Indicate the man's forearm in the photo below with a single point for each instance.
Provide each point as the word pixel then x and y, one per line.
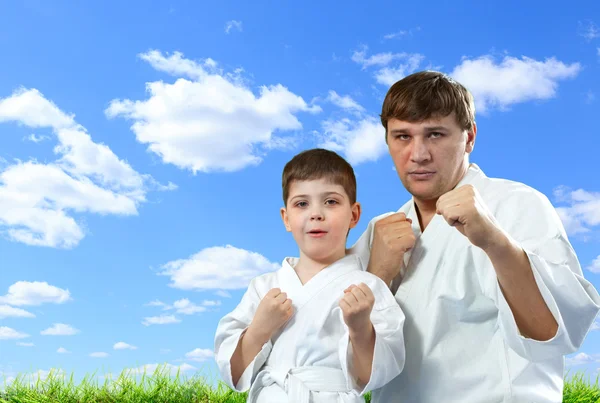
pixel 363 348
pixel 515 276
pixel 387 271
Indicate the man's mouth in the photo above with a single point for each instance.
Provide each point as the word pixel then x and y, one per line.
pixel 421 174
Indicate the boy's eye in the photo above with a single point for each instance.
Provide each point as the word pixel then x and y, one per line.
pixel 331 201
pixel 301 204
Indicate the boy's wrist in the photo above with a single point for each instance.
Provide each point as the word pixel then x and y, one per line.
pixel 363 334
pixel 255 336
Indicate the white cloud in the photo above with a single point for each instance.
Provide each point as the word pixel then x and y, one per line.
pixel 398 34
pixel 124 346
pixel 345 102
pixel 99 354
pixel 185 307
pixel 60 329
pixel 223 293
pixel 182 306
pixel 160 320
pixel 582 212
pixel 217 268
pixel 37 200
pixel 42 375
pixel 580 359
pixel 19 343
pixel 595 325
pixel 512 80
pixel 589 30
pixel 63 350
pixel 7 333
pixel 360 141
pixel 200 355
pixel 594 267
pixel 233 24
pixel 211 303
pixel 36 139
pixel 156 303
pixel 401 34
pixel 150 369
pixel 7 311
pixel 190 123
pixel 389 75
pixel 385 74
pixel 35 293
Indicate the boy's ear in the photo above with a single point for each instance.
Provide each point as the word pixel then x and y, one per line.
pixel 285 219
pixel 356 210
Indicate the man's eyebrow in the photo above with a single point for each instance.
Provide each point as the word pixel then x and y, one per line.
pixel 431 128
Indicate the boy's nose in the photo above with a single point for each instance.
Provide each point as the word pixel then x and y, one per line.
pixel 316 215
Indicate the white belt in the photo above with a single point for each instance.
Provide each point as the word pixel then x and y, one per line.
pixel 299 382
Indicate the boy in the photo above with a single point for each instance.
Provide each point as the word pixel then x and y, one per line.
pixel 321 328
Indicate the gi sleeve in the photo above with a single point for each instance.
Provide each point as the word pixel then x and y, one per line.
pixel 531 220
pixel 230 330
pixel 389 354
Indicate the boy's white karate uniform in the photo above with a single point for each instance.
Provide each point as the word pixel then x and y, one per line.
pixel 462 342
pixel 310 358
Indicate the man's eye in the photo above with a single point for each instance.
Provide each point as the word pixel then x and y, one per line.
pixel 435 135
pixel 403 137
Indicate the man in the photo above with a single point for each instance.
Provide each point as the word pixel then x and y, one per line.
pixel 492 290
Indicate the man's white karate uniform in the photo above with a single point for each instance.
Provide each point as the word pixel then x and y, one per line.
pixel 310 358
pixel 462 342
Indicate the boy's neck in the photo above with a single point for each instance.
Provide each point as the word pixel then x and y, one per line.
pixel 307 267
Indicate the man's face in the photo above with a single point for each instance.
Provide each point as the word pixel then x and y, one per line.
pixel 430 156
pixel 319 215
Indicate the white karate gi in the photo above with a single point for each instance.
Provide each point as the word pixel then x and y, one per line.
pixel 310 358
pixel 462 342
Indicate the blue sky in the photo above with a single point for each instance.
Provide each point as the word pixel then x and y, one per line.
pixel 141 149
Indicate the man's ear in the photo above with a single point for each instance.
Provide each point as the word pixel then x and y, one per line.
pixel 471 135
pixel 286 221
pixel 356 211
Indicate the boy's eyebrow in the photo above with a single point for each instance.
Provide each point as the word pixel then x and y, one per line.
pixel 322 194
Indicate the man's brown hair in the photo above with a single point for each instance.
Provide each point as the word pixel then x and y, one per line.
pixel 315 164
pixel 428 94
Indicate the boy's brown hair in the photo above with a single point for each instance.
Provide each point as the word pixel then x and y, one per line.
pixel 428 94
pixel 315 164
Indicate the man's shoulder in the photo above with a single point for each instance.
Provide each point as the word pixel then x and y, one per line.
pixel 500 191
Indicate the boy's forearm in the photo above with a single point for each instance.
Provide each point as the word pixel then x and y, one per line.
pixel 248 347
pixel 363 348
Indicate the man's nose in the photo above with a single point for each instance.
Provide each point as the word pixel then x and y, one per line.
pixel 419 152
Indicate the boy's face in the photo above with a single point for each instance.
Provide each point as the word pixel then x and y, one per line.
pixel 319 215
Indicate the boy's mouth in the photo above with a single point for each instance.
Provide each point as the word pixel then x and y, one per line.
pixel 317 232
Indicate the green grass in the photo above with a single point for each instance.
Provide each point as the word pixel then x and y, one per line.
pixel 161 387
